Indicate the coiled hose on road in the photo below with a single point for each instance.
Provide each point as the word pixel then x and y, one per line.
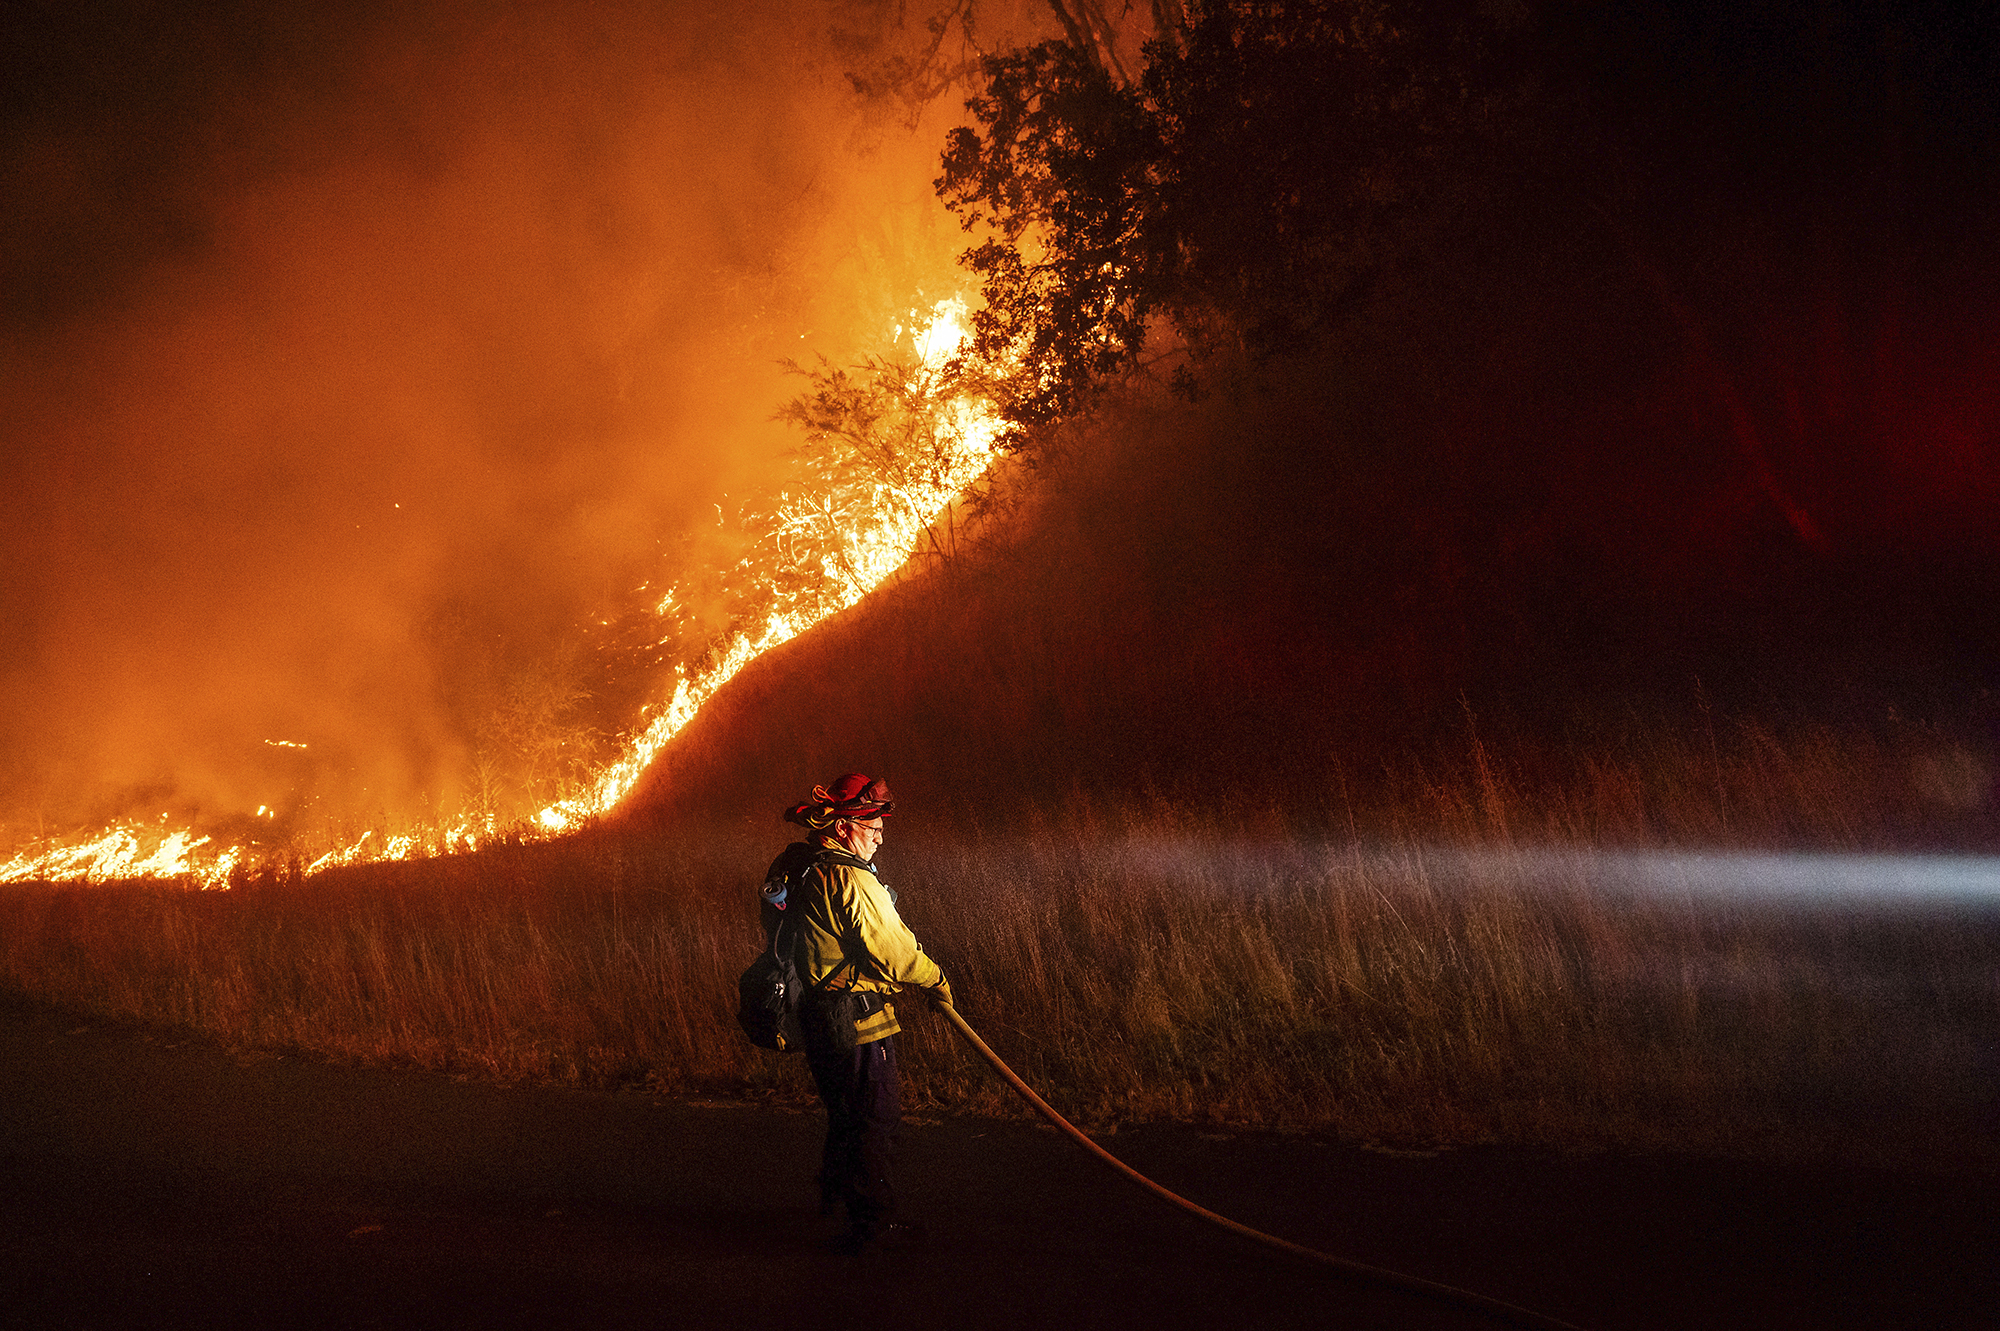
pixel 1375 1275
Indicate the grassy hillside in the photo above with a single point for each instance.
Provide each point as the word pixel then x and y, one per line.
pixel 1670 424
pixel 1315 594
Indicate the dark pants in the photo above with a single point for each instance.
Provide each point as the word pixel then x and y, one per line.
pixel 864 1105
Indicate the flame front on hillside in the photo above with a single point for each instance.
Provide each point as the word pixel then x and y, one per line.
pixel 820 551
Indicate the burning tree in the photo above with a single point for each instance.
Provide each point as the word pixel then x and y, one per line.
pixel 884 439
pixel 894 446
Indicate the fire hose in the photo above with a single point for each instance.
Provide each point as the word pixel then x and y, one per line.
pixel 1430 1289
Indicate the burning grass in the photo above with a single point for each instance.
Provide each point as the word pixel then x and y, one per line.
pixel 1134 965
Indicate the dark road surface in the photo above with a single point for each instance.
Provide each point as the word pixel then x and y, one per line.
pixel 147 1182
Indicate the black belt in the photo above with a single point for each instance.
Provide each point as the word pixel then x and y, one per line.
pixel 866 1002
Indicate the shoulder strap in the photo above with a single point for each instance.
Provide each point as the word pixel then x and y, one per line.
pixel 791 864
pixel 835 855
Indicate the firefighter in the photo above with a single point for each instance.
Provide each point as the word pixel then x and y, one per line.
pixel 852 951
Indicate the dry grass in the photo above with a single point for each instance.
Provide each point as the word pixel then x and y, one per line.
pixel 1382 998
pixel 1147 964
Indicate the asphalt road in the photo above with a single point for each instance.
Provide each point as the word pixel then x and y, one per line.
pixel 148 1180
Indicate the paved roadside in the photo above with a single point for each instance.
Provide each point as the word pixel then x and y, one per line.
pixel 147 1181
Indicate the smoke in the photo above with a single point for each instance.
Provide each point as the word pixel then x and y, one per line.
pixel 358 361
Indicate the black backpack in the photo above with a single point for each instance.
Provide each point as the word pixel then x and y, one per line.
pixel 768 1002
pixel 767 997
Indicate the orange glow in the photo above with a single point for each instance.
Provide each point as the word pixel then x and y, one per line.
pixel 872 552
pixel 875 546
pixel 368 384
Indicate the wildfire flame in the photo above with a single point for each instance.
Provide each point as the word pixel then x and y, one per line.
pixel 869 551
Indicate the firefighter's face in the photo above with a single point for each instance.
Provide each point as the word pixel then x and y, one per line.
pixel 864 839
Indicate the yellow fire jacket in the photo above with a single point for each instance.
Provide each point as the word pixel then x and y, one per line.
pixel 848 935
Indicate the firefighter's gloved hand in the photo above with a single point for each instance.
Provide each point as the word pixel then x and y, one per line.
pixel 939 994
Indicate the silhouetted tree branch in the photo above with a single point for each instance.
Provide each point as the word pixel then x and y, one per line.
pixel 1273 160
pixel 1092 34
pixel 917 80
